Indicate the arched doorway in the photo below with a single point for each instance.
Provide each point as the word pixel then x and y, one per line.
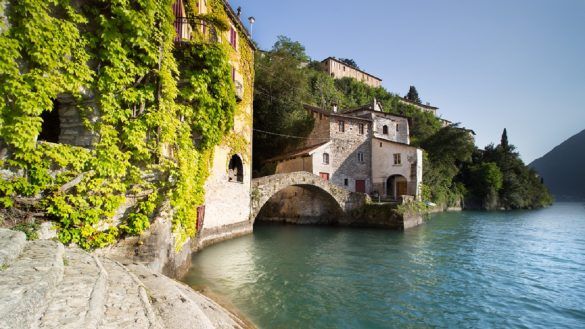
pixel 236 169
pixel 396 186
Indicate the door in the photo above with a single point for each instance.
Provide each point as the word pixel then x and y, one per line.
pixel 324 175
pixel 400 188
pixel 360 186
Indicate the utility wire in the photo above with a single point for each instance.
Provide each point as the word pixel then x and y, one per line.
pixel 289 136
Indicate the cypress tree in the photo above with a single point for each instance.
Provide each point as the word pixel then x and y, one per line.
pixel 412 95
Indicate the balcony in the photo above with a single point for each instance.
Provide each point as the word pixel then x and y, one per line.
pixel 183 30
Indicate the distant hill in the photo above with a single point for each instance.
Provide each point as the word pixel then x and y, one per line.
pixel 563 169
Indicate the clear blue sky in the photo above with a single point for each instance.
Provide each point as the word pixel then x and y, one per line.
pixel 489 64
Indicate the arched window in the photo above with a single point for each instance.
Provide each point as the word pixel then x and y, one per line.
pixel 236 169
pixel 385 130
pixel 325 158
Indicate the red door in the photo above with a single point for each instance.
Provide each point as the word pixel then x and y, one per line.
pixel 360 186
pixel 324 175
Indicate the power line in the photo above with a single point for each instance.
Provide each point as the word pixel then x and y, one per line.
pixel 289 136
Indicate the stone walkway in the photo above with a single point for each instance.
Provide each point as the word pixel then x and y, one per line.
pixel 45 285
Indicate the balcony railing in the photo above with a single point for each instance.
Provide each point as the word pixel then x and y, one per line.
pixel 182 29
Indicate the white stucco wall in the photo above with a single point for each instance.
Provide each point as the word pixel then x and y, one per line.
pixel 383 165
pixel 226 202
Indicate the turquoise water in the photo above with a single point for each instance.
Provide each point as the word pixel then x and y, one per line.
pixel 523 269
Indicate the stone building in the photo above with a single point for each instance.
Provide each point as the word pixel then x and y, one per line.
pixel 423 107
pixel 338 69
pixel 227 190
pixel 227 201
pixel 363 150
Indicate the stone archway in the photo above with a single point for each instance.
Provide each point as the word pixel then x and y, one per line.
pixel 264 188
pixel 396 186
pixel 301 204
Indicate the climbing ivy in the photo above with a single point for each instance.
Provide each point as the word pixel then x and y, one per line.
pixel 157 109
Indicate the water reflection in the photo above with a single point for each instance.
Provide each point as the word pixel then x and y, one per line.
pixel 470 269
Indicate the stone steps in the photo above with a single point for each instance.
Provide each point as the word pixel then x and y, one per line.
pixel 44 285
pixel 27 284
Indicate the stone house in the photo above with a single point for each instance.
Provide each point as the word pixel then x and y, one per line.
pixel 338 69
pixel 363 150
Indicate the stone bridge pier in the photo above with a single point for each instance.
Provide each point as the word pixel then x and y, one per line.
pixel 264 188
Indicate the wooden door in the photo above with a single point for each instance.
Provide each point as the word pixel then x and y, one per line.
pixel 324 175
pixel 400 188
pixel 360 186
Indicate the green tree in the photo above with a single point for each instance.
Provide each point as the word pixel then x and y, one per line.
pixel 281 88
pixel 412 95
pixel 350 62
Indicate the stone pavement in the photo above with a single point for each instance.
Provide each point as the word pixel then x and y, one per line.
pixel 45 285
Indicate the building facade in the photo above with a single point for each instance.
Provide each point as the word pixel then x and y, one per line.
pixel 338 69
pixel 362 150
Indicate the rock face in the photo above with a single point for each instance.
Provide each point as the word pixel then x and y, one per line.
pixel 45 285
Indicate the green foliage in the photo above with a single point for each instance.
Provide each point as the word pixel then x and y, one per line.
pixel 157 110
pixel 485 178
pixel 349 62
pixel 412 95
pixel 29 229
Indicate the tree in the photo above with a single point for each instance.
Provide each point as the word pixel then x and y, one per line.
pixel 413 95
pixel 281 87
pixel 504 141
pixel 349 62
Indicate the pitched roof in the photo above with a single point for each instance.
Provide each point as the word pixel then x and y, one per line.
pixel 333 114
pixel 236 19
pixel 354 68
pixel 297 153
pixel 419 104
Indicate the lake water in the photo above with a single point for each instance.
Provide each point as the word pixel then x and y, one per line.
pixel 522 269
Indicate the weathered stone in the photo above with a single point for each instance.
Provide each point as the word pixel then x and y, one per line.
pixel 11 244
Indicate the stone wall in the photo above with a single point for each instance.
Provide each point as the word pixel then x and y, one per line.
pixel 301 205
pixel 345 148
pixel 321 129
pixel 339 70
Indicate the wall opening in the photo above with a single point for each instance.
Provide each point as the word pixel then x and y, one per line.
pixel 396 186
pixel 51 126
pixel 236 170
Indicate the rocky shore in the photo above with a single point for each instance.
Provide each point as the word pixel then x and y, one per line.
pixel 46 285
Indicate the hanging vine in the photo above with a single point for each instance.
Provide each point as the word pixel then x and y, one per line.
pixel 157 110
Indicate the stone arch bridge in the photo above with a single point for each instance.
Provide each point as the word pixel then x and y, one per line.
pixel 264 188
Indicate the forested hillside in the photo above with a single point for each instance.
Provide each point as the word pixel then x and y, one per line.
pixel 563 168
pixel 454 169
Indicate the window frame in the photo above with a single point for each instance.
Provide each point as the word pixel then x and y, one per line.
pixel 326 158
pixel 341 126
pixel 397 159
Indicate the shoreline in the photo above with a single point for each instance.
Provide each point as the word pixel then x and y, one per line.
pixel 225 303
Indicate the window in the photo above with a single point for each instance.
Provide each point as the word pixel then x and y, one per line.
pixel 380 144
pixel 397 159
pixel 346 182
pixel 341 126
pixel 361 128
pixel 413 171
pixel 236 169
pixel 326 158
pixel 385 130
pixel 396 128
pixel 51 126
pixel 233 37
pixel 360 156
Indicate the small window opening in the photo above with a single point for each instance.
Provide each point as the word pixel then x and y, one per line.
pixel 385 130
pixel 326 158
pixel 236 169
pixel 341 126
pixel 361 128
pixel 51 126
pixel 360 156
pixel 397 159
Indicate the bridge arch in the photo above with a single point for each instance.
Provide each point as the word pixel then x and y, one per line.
pixel 264 188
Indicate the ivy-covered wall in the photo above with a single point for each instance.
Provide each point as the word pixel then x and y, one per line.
pixel 158 108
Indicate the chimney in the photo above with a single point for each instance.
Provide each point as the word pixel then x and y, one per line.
pixel 239 11
pixel 376 106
